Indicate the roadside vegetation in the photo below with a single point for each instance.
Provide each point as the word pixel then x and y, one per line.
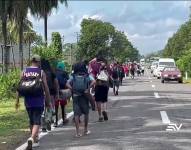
pixel 95 37
pixel 179 48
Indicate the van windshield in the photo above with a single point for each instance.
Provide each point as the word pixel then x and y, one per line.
pixel 166 64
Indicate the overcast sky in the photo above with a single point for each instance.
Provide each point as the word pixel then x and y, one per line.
pixel 147 24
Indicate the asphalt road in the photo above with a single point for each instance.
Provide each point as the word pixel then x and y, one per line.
pixel 138 119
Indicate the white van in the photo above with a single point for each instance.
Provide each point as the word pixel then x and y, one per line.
pixel 162 63
pixel 142 61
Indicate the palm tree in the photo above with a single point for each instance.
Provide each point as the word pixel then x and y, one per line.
pixel 42 9
pixel 29 35
pixel 18 16
pixel 5 10
pixel 29 38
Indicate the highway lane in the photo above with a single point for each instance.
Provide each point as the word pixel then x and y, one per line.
pixel 138 119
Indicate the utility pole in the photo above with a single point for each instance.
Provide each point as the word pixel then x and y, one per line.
pixel 62 42
pixel 77 36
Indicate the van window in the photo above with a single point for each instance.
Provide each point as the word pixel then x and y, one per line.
pixel 166 64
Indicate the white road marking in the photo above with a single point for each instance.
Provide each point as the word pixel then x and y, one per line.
pixel 23 147
pixel 156 95
pixel 153 86
pixel 164 117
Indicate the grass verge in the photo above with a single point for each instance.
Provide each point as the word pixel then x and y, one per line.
pixel 14 127
pixel 187 81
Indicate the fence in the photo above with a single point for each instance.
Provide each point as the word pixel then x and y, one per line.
pixel 14 57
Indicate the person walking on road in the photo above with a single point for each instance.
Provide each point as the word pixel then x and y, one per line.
pixel 132 69
pixel 80 83
pixel 54 92
pixel 34 96
pixel 121 73
pixel 115 77
pixel 101 92
pixel 62 77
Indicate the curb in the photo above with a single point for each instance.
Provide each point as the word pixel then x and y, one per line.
pixel 41 135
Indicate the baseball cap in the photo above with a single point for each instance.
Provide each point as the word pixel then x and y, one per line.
pixel 35 58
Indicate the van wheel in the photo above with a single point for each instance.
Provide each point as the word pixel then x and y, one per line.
pixel 162 81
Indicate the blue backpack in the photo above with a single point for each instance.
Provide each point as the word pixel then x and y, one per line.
pixel 80 83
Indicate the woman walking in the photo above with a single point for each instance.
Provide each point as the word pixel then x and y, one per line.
pixel 101 92
pixel 53 88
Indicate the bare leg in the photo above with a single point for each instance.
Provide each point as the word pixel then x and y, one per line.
pixel 56 113
pixel 35 131
pixel 77 124
pixel 99 108
pixel 86 119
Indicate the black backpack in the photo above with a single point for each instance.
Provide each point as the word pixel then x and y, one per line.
pixel 31 86
pixel 50 81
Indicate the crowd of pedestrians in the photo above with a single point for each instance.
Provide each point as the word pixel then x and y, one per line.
pixel 45 89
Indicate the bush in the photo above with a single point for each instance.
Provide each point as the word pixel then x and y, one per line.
pixel 9 84
pixel 184 63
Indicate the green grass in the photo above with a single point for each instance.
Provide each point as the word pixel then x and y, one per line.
pixel 13 124
pixel 187 81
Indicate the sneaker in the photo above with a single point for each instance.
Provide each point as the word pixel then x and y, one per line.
pixel 36 144
pixel 87 132
pixel 30 142
pixel 105 115
pixel 44 130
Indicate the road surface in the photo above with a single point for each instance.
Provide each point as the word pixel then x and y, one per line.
pixel 138 119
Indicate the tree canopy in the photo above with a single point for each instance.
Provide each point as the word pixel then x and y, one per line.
pixel 179 47
pixel 98 37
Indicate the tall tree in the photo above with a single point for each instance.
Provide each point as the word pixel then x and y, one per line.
pixel 99 37
pixel 42 9
pixel 5 10
pixel 94 38
pixel 19 15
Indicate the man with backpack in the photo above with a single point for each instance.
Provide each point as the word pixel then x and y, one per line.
pixel 62 77
pixel 116 78
pixel 80 82
pixel 32 86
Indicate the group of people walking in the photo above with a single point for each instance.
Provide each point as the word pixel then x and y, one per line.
pixel 45 88
pixel 133 68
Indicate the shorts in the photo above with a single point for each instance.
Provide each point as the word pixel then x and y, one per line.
pixel 61 102
pixel 80 105
pixel 116 83
pixel 35 115
pixel 101 93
